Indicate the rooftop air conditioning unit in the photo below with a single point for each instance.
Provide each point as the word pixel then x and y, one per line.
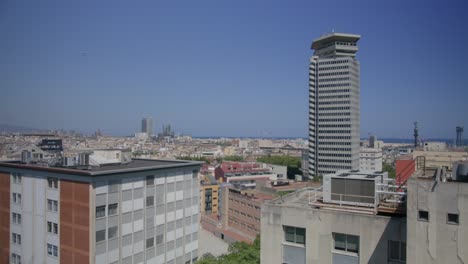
pixel 353 187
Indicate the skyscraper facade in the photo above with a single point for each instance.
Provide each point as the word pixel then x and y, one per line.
pixel 147 126
pixel 334 125
pixel 459 141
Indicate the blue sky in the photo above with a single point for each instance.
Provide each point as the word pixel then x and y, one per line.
pixel 227 68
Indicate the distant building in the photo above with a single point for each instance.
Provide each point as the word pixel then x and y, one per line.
pixel 209 195
pixel 147 126
pixel 139 211
pixel 372 140
pixel 435 159
pixel 244 174
pixel 459 141
pixel 435 146
pixel 370 159
pixel 334 125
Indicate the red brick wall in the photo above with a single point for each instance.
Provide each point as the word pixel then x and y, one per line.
pixel 74 222
pixel 5 217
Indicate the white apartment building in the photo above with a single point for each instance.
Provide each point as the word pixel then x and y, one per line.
pixel 138 211
pixel 334 125
pixel 370 159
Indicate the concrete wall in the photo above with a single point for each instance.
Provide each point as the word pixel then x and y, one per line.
pixel 373 231
pixel 436 240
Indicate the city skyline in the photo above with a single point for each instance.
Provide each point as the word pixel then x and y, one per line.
pixel 226 70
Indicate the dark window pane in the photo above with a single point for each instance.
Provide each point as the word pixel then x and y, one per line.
pixel 289 234
pixel 352 244
pixel 340 241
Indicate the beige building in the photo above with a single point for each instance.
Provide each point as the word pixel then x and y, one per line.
pixel 435 159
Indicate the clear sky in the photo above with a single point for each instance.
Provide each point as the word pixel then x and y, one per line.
pixel 227 68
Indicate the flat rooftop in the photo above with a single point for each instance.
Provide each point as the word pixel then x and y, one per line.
pixel 311 198
pixel 332 37
pixel 132 166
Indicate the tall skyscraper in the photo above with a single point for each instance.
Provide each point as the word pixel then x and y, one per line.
pixel 459 141
pixel 334 104
pixel 147 126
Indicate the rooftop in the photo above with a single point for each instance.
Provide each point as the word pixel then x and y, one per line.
pixel 132 166
pixel 332 37
pixel 311 198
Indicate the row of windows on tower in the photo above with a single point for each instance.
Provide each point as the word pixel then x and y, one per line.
pixel 336 131
pixel 347 102
pixel 334 120
pixel 338 79
pixel 335 125
pixel 333 96
pixel 334 91
pixel 336 114
pixel 336 155
pixel 332 62
pixel 334 85
pixel 326 143
pixel 335 149
pixel 332 161
pixel 334 137
pixel 333 73
pixel 334 108
pixel 334 68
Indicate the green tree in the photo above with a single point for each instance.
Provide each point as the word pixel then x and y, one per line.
pixel 233 158
pixel 389 168
pixel 238 252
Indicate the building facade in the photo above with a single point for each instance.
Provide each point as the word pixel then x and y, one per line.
pixel 370 159
pixel 294 232
pixel 334 125
pixel 437 217
pixel 142 211
pixel 147 126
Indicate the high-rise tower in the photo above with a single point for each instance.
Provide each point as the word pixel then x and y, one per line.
pixel 334 126
pixel 459 141
pixel 147 126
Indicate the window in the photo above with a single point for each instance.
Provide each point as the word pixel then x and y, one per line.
pixel 15 259
pixel 423 216
pixel 149 180
pixel 347 243
pixel 16 198
pixel 294 234
pixel 112 232
pixel 16 238
pixel 452 219
pixel 113 186
pixel 149 242
pixel 100 235
pixel 112 210
pixel 149 201
pixel 194 174
pixel 52 205
pixel 52 250
pixel 100 211
pixel 16 218
pixel 159 239
pixel 52 228
pixel 16 178
pixel 53 182
pixel 396 251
